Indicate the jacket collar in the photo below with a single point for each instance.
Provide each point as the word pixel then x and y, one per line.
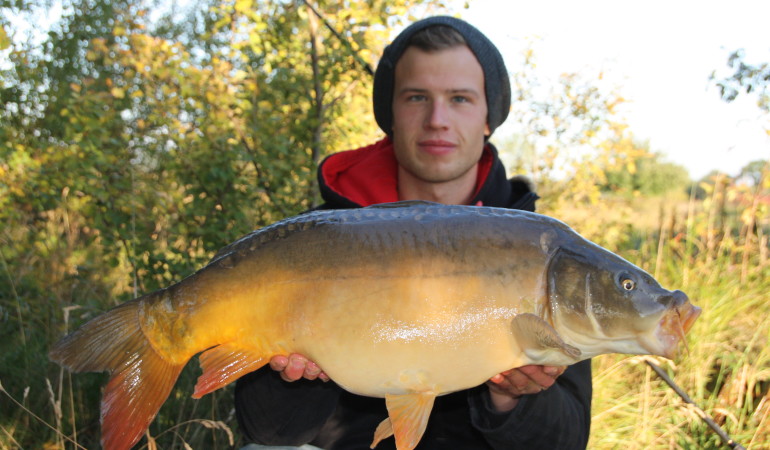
pixel 369 175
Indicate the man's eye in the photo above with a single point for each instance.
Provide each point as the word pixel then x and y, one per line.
pixel 460 99
pixel 416 98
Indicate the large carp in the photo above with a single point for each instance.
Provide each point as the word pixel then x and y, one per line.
pixel 406 301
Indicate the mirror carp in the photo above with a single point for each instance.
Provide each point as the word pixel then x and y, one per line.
pixel 404 301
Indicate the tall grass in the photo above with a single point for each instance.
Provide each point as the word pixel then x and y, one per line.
pixel 715 249
pixel 717 254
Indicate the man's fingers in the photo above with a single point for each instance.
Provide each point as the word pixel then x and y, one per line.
pixel 526 380
pixel 554 371
pixel 278 363
pixel 512 382
pixel 520 381
pixel 544 376
pixel 312 371
pixel 296 366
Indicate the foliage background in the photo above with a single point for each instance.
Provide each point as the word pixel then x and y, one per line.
pixel 136 139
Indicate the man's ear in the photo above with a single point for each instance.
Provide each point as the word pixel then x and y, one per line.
pixel 487 131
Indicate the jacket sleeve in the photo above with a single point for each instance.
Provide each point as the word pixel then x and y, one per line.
pixel 271 411
pixel 559 417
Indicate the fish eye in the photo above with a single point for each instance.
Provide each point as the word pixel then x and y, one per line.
pixel 628 284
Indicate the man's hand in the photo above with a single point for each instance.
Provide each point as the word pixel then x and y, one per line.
pixel 507 387
pixel 296 366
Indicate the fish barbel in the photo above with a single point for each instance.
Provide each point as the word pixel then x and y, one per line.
pixel 405 301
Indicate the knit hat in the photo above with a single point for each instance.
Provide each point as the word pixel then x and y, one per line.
pixel 497 87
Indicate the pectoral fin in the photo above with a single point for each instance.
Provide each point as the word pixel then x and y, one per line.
pixel 224 364
pixel 407 418
pixel 540 341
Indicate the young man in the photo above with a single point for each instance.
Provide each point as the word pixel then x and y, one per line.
pixel 440 90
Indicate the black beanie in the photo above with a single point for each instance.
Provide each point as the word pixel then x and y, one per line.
pixel 497 87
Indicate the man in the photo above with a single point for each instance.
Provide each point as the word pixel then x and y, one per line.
pixel 440 90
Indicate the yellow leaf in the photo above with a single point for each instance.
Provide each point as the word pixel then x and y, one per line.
pixel 243 6
pixel 117 92
pixel 5 42
pixel 99 44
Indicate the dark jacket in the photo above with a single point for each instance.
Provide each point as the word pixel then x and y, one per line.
pixel 273 412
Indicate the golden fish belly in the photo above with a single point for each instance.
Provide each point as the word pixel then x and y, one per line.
pixel 411 334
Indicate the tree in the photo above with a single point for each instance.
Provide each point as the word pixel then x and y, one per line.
pixel 568 134
pixel 753 171
pixel 651 176
pixel 745 79
pixel 748 78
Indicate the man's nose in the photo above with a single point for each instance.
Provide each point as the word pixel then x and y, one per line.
pixel 438 115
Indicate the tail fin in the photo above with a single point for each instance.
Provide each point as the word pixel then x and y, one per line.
pixel 141 379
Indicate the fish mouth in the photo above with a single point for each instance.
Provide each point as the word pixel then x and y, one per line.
pixel 673 327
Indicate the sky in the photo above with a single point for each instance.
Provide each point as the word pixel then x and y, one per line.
pixel 661 53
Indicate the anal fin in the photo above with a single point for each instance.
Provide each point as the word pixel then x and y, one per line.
pixel 407 418
pixel 224 364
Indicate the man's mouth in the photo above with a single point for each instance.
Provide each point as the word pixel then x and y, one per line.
pixel 436 146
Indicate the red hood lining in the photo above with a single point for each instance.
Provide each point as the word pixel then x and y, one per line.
pixel 369 175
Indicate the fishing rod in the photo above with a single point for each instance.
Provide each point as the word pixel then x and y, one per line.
pixel 701 413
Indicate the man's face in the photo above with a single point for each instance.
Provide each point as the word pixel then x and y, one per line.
pixel 439 114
